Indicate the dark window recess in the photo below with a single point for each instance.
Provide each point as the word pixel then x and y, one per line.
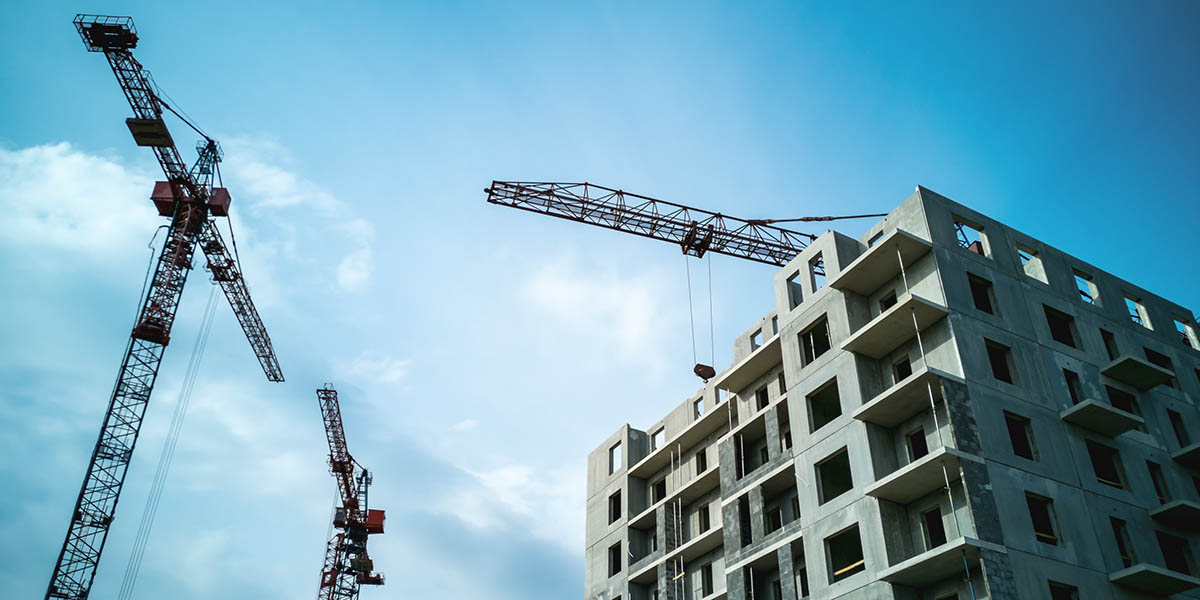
pixel 795 507
pixel 614 559
pixel 824 405
pixel 982 293
pixel 739 457
pixel 706 580
pixel 802 573
pixel 1159 480
pixel 1122 400
pixel 1074 386
pixel 1181 433
pixel 969 237
pixel 1000 357
pixel 1062 326
pixel 833 476
pixel 1163 361
pixel 702 460
pixel 935 531
pixel 1106 463
pixel 744 520
pixel 887 301
pixel 816 268
pixel 774 520
pixel 786 439
pixel 1176 553
pixel 845 554
pixel 704 520
pixel 917 447
pixel 1124 542
pixel 814 342
pixel 1041 513
pixel 658 491
pixel 782 384
pixel 1020 434
pixel 1062 591
pixel 614 507
pixel 777 589
pixel 1110 344
pixel 795 292
pixel 763 456
pixel 901 369
pixel 762 398
pixel 1196 484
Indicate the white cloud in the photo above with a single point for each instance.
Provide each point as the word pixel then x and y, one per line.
pixel 54 196
pixel 355 270
pixel 549 504
pixel 376 367
pixel 465 425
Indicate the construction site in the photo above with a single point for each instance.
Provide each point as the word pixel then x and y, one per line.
pixel 935 404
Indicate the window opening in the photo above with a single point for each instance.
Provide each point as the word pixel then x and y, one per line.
pixel 1159 481
pixel 1163 361
pixel 1074 386
pixel 1031 263
pixel 1122 400
pixel 774 520
pixel 1041 513
pixel 833 475
pixel 1137 312
pixel 795 291
pixel 816 270
pixel 614 559
pixel 874 239
pixel 1187 335
pixel 706 580
pixel 1062 326
pixel 1000 357
pixel 917 445
pixel 756 340
pixel 887 301
pixel 824 405
pixel 969 236
pixel 983 293
pixel 658 438
pixel 814 342
pixel 762 398
pixel 845 554
pixel 658 491
pixel 1020 434
pixel 1124 542
pixel 1061 591
pixel 1181 433
pixel 614 507
pixel 744 520
pixel 935 531
pixel 702 460
pixel 704 518
pixel 1087 288
pixel 1110 344
pixel 1176 553
pixel 614 458
pixel 1106 463
pixel 698 408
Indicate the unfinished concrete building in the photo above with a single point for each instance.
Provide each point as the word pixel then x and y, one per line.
pixel 958 411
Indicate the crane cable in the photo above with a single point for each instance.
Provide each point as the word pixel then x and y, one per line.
pixel 138 552
pixel 691 313
pixel 691 317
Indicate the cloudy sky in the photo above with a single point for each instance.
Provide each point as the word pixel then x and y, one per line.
pixel 480 352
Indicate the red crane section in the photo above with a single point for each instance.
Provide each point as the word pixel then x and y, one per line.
pixel 347 563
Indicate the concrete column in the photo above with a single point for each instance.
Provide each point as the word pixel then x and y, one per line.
pixel 997 576
pixel 736 585
pixel 772 422
pixel 757 527
pixel 787 578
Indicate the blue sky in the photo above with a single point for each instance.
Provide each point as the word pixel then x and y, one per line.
pixel 482 353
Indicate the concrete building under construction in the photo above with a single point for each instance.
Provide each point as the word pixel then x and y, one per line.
pixel 944 408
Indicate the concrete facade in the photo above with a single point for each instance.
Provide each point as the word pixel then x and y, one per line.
pixel 942 415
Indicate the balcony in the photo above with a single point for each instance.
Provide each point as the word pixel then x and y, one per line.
pixel 921 476
pixel 690 550
pixel 1180 514
pixel 1188 456
pixel 1153 580
pixel 696 431
pixel 904 400
pixel 894 326
pixel 939 563
pixel 690 492
pixel 759 363
pixel 1101 418
pixel 1137 372
pixel 879 263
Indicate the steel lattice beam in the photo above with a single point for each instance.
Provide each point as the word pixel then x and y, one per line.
pixel 695 230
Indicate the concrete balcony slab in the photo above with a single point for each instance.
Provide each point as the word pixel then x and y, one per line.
pixel 690 492
pixel 1101 418
pixel 696 431
pixel 894 326
pixel 902 401
pixel 1188 456
pixel 880 264
pixel 763 359
pixel 939 563
pixel 921 476
pixel 1137 372
pixel 1153 580
pixel 1180 514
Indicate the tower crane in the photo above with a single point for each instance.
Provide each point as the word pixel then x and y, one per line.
pixel 695 230
pixel 347 565
pixel 190 201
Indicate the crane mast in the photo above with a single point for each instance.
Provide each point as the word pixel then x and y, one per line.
pixel 347 565
pixel 187 198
